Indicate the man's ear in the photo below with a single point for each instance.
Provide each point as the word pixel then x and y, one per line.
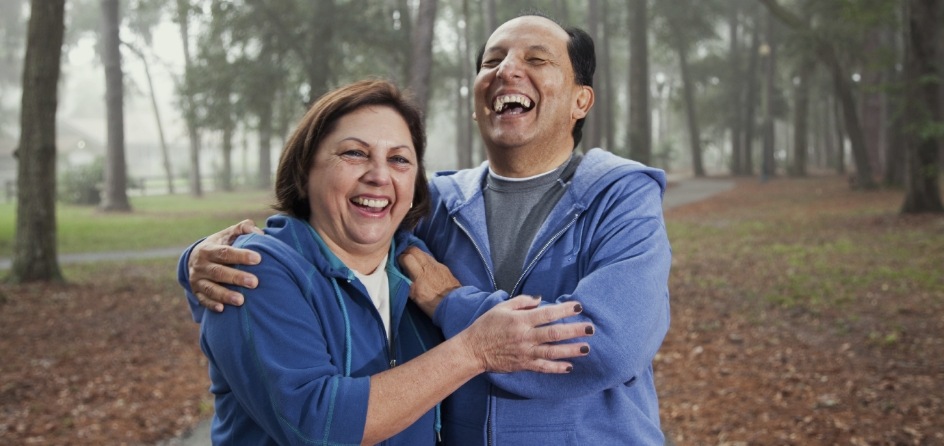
pixel 584 102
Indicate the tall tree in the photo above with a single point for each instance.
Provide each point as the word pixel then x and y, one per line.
pixel 923 78
pixel 640 115
pixel 186 97
pixel 828 54
pixel 769 51
pixel 735 87
pixel 115 196
pixel 746 161
pixel 34 246
pixel 421 59
pixel 593 129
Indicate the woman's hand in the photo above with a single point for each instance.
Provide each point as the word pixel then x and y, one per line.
pixel 518 334
pixel 209 271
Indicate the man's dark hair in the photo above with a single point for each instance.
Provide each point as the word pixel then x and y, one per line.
pixel 583 58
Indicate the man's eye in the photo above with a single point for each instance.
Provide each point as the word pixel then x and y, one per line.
pixel 536 60
pixel 490 63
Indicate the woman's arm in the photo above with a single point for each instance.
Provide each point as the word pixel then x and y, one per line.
pixel 512 336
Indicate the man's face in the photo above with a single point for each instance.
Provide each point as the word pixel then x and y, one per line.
pixel 525 93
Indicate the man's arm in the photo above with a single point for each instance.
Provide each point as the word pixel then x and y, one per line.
pixel 623 289
pixel 203 269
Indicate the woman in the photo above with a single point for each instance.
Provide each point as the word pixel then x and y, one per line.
pixel 328 349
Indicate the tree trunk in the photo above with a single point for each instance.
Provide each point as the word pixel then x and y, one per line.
pixel 592 130
pixel 188 106
pixel 321 44
pixel 34 246
pixel 464 93
pixel 421 59
pixel 750 102
pixel 840 155
pixel 165 154
pixel 801 113
pixel 736 87
pixel 264 177
pixel 604 66
pixel 768 166
pixel 688 90
pixel 922 78
pixel 872 109
pixel 640 116
pixel 115 196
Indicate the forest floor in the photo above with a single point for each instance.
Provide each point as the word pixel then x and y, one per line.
pixel 803 313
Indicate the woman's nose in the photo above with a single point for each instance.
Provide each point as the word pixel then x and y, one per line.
pixel 378 173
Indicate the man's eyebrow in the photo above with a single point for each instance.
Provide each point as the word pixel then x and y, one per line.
pixel 535 47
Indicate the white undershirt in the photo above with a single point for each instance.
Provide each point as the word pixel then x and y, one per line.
pixel 378 289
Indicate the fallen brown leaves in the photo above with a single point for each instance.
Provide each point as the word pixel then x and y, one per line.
pixel 110 359
pixel 804 313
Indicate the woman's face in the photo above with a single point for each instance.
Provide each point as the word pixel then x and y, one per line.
pixel 361 184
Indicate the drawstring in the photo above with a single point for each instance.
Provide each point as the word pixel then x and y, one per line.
pixel 347 328
pixel 438 423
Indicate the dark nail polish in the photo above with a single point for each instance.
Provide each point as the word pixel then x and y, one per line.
pixel 570 369
pixel 588 330
pixel 578 308
pixel 584 349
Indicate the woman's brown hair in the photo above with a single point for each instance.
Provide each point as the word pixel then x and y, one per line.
pixel 291 177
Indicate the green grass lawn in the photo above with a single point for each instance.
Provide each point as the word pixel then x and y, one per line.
pixel 155 222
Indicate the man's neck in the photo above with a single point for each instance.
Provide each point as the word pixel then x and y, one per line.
pixel 523 163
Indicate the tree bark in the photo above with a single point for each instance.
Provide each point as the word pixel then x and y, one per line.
pixel 750 102
pixel 801 114
pixel 640 116
pixel 187 102
pixel 592 130
pixel 688 90
pixel 421 59
pixel 165 154
pixel 115 196
pixel 768 166
pixel 736 87
pixel 34 246
pixel 922 80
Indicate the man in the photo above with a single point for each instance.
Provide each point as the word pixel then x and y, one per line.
pixel 539 220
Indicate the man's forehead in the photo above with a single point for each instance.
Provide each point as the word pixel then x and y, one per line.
pixel 534 32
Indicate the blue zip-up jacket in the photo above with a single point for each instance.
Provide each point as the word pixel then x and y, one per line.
pixel 605 245
pixel 292 365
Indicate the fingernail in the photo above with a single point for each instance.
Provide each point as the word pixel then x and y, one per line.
pixel 218 308
pixel 255 259
pixel 585 349
pixel 588 330
pixel 249 283
pixel 570 369
pixel 578 308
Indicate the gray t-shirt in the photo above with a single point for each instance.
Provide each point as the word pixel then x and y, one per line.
pixel 515 209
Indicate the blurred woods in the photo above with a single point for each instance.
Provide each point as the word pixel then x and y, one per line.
pixel 707 87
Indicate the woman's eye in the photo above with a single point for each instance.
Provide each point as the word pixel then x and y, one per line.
pixel 354 153
pixel 399 160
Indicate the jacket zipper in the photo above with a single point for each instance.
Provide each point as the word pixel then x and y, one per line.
pixel 491 276
pixel 544 249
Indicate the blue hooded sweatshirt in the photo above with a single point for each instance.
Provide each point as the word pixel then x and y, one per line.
pixel 605 245
pixel 293 364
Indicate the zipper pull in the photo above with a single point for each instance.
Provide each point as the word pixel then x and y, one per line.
pixel 393 363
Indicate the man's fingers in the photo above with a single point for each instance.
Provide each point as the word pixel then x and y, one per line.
pixel 410 262
pixel 231 256
pixel 246 226
pixel 214 292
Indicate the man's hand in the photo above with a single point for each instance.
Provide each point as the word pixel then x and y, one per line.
pixel 431 280
pixel 208 268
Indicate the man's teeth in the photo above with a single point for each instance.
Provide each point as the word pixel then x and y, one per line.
pixel 511 98
pixel 371 203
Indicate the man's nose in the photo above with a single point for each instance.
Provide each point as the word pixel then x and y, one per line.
pixel 509 68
